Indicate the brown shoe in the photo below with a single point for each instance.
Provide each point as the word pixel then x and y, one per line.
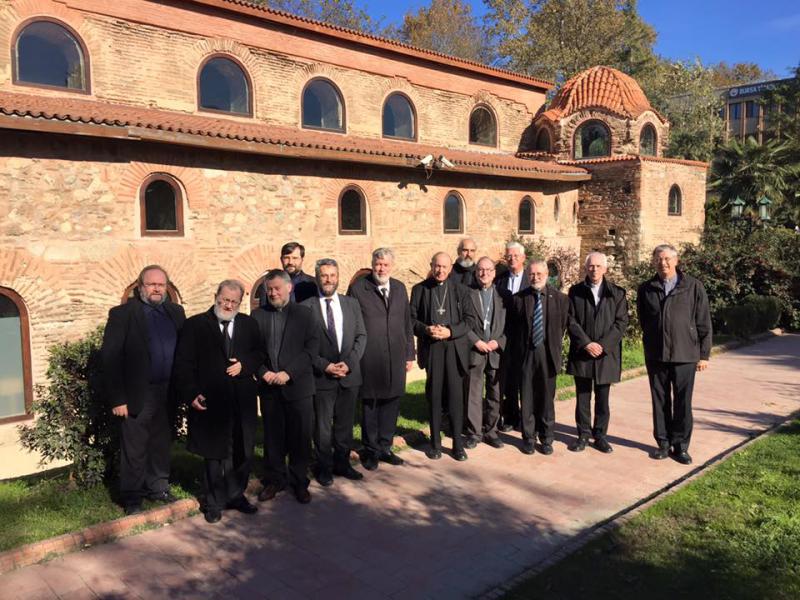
pixel 303 495
pixel 270 491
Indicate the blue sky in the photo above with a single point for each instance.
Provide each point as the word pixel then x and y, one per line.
pixel 766 32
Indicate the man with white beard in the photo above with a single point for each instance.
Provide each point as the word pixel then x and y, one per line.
pixel 464 268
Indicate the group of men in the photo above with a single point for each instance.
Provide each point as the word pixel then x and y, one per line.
pixel 491 346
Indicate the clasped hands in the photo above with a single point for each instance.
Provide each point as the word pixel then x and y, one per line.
pixel 337 370
pixel 273 378
pixel 594 349
pixel 438 332
pixel 486 347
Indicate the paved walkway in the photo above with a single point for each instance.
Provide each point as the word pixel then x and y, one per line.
pixel 431 529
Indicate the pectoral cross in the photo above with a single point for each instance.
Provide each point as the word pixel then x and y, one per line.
pixel 486 323
pixel 440 310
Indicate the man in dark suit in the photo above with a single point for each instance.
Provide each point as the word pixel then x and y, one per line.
pixel 303 285
pixel 676 331
pixel 512 281
pixel 540 316
pixel 488 339
pixel 337 373
pixel 286 388
pixel 388 357
pixel 137 355
pixel 441 313
pixel 599 312
pixel 218 355
pixel 464 268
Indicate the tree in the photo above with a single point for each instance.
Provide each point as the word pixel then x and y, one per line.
pixel 782 105
pixel 555 39
pixel 343 13
pixel 725 75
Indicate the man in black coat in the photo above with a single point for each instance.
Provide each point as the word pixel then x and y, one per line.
pixel 137 355
pixel 540 316
pixel 388 357
pixel 337 373
pixel 441 314
pixel 676 331
pixel 599 311
pixel 303 285
pixel 286 388
pixel 464 268
pixel 218 355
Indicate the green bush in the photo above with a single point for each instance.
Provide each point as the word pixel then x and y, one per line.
pixel 754 315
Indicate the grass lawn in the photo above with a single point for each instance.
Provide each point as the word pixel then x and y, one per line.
pixel 734 533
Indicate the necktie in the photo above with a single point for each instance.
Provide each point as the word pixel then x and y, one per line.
pixel 331 323
pixel 537 327
pixel 227 342
pixel 385 294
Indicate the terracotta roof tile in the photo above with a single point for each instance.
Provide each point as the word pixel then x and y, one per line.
pixel 633 157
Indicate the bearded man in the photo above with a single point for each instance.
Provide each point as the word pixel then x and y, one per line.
pixel 464 268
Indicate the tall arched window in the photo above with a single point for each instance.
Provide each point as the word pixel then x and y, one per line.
pixel 352 212
pixel 15 358
pixel 543 143
pixel 482 127
pixel 592 139
pixel 675 201
pixel 647 140
pixel 323 107
pixel 398 118
pixel 557 208
pixel 574 213
pixel 48 53
pixel 453 213
pixel 527 214
pixel 161 206
pixel 223 86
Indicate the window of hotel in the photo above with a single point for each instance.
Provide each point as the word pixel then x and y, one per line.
pixel 527 214
pixel 352 212
pixel 323 107
pixel 482 127
pixel 592 139
pixel 15 360
pixel 224 87
pixel 735 111
pixel 161 205
pixel 453 214
pixel 674 204
pixel 647 141
pixel 398 118
pixel 751 109
pixel 46 53
pixel 543 143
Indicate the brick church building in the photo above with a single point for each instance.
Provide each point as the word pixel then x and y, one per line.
pixel 204 134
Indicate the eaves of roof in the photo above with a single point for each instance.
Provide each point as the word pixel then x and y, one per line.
pixel 632 158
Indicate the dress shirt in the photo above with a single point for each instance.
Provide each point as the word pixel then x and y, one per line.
pixel 596 288
pixel 230 326
pixel 336 307
pixel 669 284
pixel 514 281
pixel 383 286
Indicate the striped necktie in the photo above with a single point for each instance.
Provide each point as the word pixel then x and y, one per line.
pixel 537 327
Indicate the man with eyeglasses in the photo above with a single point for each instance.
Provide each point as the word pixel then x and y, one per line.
pixel 137 355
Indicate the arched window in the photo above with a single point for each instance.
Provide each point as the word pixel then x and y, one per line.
pixel 223 86
pixel 527 214
pixel 398 118
pixel 592 139
pixel 323 107
pixel 15 358
pixel 161 206
pixel 575 213
pixel 553 274
pixel 675 202
pixel 543 143
pixel 647 140
pixel 352 212
pixel 557 208
pixel 47 53
pixel 453 213
pixel 482 127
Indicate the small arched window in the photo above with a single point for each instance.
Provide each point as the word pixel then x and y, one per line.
pixel 647 140
pixel 482 127
pixel 675 202
pixel 543 142
pixel 557 208
pixel 15 358
pixel 575 213
pixel 223 86
pixel 592 139
pixel 527 214
pixel 453 213
pixel 323 107
pixel 161 205
pixel 398 118
pixel 352 212
pixel 47 53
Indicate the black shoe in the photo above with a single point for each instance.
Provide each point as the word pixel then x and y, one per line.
pixel 682 456
pixel 603 445
pixel 133 509
pixel 391 458
pixel 505 427
pixel 494 442
pixel 324 477
pixel 579 445
pixel 303 495
pixel 370 462
pixel 546 449
pixel 213 515
pixel 470 443
pixel 349 473
pixel 528 447
pixel 460 455
pixel 165 497
pixel 243 505
pixel 433 453
pixel 660 453
pixel 270 491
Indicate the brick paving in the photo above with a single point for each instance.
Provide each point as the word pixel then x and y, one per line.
pixel 429 529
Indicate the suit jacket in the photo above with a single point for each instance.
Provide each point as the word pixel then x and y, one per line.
pixel 501 284
pixel 390 338
pixel 299 346
pixel 354 342
pixel 304 286
pixel 556 314
pixel 604 324
pixel 125 353
pixel 497 330
pixel 200 366
pixel 459 308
